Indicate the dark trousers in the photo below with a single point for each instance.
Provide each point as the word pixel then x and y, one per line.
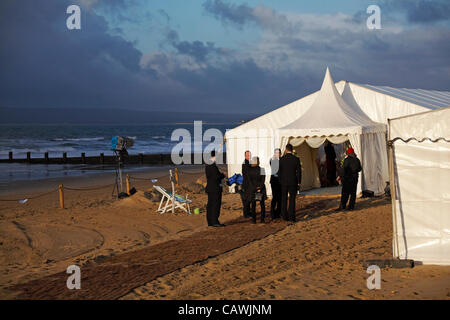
pixel 275 205
pixel 288 214
pixel 245 205
pixel 348 190
pixel 213 207
pixel 253 209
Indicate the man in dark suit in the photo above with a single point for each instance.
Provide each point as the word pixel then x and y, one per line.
pixel 245 166
pixel 290 174
pixel 214 190
pixel 275 205
pixel 349 177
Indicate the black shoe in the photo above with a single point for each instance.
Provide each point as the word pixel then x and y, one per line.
pixel 217 225
pixel 262 221
pixel 349 209
pixel 253 221
pixel 339 209
pixel 222 225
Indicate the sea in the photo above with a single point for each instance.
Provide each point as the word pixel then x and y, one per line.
pixel 90 139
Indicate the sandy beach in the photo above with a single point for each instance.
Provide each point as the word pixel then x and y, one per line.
pixel 176 256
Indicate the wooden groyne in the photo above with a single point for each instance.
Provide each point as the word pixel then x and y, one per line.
pixel 143 159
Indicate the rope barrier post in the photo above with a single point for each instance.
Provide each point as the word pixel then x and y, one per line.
pixel 128 183
pixel 173 191
pixel 10 156
pixel 176 176
pixel 28 156
pixel 61 196
pixel 46 157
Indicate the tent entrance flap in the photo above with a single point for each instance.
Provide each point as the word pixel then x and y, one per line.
pixel 307 150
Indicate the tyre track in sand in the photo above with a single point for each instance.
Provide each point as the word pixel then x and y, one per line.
pixel 118 275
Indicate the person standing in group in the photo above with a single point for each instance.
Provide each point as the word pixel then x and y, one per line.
pixel 255 190
pixel 214 190
pixel 349 178
pixel 275 205
pixel 245 166
pixel 290 174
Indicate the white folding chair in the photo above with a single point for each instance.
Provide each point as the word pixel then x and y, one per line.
pixel 171 201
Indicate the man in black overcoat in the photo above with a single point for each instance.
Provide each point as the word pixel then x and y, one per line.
pixel 245 166
pixel 214 190
pixel 290 174
pixel 275 205
pixel 349 178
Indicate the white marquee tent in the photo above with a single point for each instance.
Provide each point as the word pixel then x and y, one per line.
pixel 377 103
pixel 421 171
pixel 331 118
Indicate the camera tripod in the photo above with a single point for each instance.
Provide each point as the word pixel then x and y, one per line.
pixel 118 186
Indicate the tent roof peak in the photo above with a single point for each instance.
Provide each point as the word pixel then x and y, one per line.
pixel 331 111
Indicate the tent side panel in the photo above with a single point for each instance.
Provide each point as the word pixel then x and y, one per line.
pixel 261 147
pixel 432 125
pixel 422 174
pixel 374 162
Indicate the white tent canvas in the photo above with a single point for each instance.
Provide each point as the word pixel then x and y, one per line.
pixel 421 208
pixel 378 103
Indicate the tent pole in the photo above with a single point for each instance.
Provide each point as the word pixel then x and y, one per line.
pixel 390 144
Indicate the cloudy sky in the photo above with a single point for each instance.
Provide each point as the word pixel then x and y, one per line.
pixel 213 55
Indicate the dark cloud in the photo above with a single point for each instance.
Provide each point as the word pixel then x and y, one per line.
pixel 227 12
pixel 427 11
pixel 198 50
pixel 418 11
pixel 242 14
pixel 45 64
pixel 164 14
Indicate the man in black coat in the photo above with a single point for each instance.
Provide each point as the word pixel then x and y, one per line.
pixel 290 174
pixel 255 178
pixel 214 190
pixel 245 166
pixel 275 205
pixel 349 177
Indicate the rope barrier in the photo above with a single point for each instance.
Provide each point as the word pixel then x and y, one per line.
pixel 92 188
pixel 33 197
pixel 136 178
pixel 152 178
pixel 89 189
pixel 184 172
